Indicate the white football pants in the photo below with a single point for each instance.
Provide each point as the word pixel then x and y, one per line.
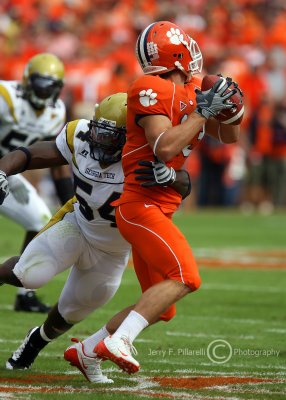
pixel 94 277
pixel 32 215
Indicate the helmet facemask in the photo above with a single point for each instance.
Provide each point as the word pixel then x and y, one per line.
pixel 195 66
pixel 43 80
pixel 42 91
pixel 106 141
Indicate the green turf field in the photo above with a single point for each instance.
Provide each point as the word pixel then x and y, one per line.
pixel 226 342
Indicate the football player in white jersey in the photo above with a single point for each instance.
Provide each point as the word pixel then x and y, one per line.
pixel 82 234
pixel 30 111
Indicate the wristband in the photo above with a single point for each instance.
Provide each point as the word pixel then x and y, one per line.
pixel 28 157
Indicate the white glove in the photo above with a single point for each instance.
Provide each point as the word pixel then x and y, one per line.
pixel 4 187
pixel 18 190
pixel 155 173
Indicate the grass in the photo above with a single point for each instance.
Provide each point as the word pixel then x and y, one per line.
pixel 239 313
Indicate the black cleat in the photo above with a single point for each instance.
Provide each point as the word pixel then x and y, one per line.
pixel 29 302
pixel 25 355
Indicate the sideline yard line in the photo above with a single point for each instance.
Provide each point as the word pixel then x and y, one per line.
pixel 248 390
pixel 251 321
pixel 244 374
pixel 6 307
pixel 4 258
pixel 15 341
pixel 4 395
pixel 125 389
pixel 244 288
pixel 209 364
pixel 276 330
pixel 199 334
pixel 261 366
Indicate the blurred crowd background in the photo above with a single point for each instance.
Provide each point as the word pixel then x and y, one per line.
pixel 244 39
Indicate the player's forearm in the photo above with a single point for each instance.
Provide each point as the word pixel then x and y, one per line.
pixel 175 138
pixel 229 133
pixel 182 184
pixel 13 162
pixel 223 132
pixel 42 155
pixel 45 155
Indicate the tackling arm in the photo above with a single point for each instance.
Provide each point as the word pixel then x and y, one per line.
pixel 182 184
pixel 42 155
pixel 39 155
pixel 157 173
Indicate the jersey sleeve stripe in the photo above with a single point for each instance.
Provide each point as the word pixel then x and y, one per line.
pixel 6 96
pixel 133 151
pixel 172 104
pixel 70 132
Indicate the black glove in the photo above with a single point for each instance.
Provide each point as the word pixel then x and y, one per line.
pixel 4 187
pixel 212 102
pixel 155 173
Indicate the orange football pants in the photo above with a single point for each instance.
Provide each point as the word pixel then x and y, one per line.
pixel 159 249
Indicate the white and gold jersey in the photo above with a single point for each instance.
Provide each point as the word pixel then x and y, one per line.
pixel 21 124
pixel 95 188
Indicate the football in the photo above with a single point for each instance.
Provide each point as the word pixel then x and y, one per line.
pixel 232 116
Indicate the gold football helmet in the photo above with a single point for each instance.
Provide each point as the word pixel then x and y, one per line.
pixel 43 80
pixel 108 128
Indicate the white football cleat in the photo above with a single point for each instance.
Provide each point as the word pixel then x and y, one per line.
pixel 118 350
pixel 89 366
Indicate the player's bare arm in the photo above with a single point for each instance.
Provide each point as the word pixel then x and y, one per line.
pixel 37 156
pixel 157 173
pixel 222 132
pixel 166 140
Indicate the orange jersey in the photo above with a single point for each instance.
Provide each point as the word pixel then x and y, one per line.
pixel 152 95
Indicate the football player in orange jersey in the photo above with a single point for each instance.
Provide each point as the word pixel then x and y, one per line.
pixel 167 116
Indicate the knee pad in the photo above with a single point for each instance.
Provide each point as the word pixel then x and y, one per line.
pixel 75 306
pixel 35 274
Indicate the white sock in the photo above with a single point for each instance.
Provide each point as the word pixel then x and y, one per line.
pixel 22 290
pixel 133 324
pixel 43 335
pixel 91 341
